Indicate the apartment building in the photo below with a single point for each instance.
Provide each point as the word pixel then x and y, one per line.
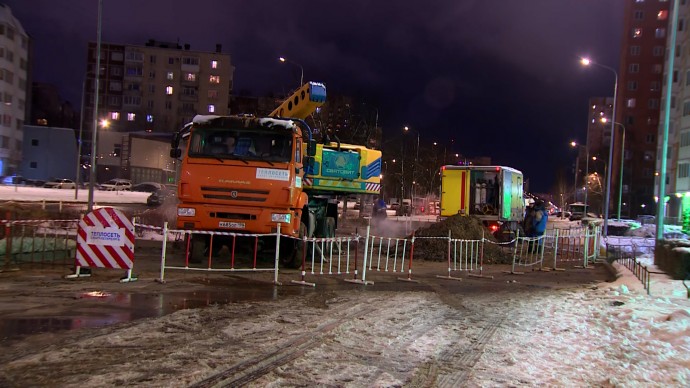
pixel 155 88
pixel 677 191
pixel 14 59
pixel 638 105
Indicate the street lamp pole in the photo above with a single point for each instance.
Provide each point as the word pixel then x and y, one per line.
pixel 94 136
pixel 81 129
pixel 607 199
pixel 414 167
pixel 620 178
pixel 577 162
pixel 301 78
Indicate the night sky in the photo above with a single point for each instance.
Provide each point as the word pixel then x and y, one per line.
pixel 502 78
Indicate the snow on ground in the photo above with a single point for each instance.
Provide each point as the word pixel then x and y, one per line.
pixel 38 194
pixel 608 334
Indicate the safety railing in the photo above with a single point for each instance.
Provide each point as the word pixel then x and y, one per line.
pixel 38 241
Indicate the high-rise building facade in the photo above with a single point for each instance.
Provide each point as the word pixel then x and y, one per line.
pixel 14 67
pixel 157 87
pixel 677 189
pixel 638 106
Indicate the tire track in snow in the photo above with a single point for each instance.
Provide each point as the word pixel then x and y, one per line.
pixel 460 361
pixel 252 369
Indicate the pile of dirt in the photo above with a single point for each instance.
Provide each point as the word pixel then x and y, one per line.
pixel 32 211
pixel 460 227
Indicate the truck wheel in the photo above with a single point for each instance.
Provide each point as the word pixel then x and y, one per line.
pixel 291 253
pixel 330 227
pixel 197 248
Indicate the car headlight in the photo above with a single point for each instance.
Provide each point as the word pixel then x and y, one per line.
pixel 275 217
pixel 186 211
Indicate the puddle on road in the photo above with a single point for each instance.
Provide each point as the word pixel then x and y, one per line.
pixel 103 309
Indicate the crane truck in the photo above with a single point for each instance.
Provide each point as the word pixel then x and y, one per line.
pixel 494 194
pixel 276 172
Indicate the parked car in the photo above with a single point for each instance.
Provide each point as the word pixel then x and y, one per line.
pixel 13 180
pixel 162 196
pixel 148 187
pixel 116 185
pixel 646 219
pixel 60 184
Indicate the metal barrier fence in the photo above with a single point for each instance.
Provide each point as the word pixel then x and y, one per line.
pixel 528 252
pixel 38 241
pixel 627 254
pixel 49 240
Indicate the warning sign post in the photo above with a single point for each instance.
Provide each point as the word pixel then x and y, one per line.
pixel 105 239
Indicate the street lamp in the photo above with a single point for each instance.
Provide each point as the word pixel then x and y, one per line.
pixel 416 161
pixel 620 179
pixel 587 62
pixel 577 161
pixel 301 78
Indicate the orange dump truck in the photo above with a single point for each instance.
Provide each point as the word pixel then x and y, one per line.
pixel 247 174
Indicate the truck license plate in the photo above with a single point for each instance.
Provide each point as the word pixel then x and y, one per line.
pixel 233 225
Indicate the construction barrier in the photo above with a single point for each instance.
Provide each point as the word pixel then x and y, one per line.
pixel 528 252
pixel 105 239
pixel 38 241
pixel 236 263
pixel 331 256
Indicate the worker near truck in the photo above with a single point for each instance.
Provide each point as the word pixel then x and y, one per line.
pixel 541 217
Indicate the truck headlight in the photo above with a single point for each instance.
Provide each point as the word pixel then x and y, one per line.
pixel 186 212
pixel 280 218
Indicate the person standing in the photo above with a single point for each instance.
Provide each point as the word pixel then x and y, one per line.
pixel 541 217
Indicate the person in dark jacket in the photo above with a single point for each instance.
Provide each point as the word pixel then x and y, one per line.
pixel 541 217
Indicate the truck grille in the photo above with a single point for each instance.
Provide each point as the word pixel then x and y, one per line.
pixel 231 194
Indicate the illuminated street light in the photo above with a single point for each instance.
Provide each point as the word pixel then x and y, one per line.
pixel 416 161
pixel 607 200
pixel 574 144
pixel 301 78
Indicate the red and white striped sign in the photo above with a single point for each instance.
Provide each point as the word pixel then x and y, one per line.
pixel 105 239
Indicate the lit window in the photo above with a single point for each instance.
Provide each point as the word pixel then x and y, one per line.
pixel 114 115
pixel 660 33
pixel 630 103
pixel 130 116
pixel 214 64
pixel 662 15
pixel 637 33
pixel 149 118
pixel 211 108
pixel 170 76
pixel 214 79
pixel 169 90
pixel 190 77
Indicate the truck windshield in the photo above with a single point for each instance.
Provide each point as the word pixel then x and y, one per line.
pixel 241 144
